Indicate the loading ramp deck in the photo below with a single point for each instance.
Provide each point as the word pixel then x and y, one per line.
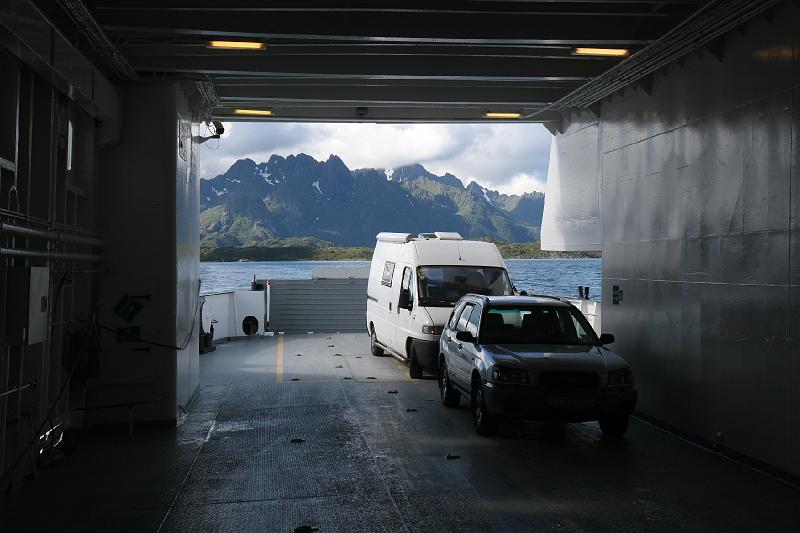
pixel 371 460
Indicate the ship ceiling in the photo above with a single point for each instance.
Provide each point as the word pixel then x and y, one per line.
pixel 396 61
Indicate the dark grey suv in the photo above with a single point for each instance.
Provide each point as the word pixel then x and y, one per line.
pixel 532 358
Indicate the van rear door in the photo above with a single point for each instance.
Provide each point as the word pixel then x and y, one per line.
pixel 384 320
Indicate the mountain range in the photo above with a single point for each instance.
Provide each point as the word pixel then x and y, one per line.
pixel 298 196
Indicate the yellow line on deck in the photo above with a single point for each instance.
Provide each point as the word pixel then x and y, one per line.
pixel 279 361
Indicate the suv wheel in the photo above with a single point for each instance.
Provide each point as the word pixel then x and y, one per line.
pixel 614 427
pixel 485 424
pixel 414 368
pixel 376 350
pixel 450 396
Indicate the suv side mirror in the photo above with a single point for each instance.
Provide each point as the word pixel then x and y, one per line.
pixel 405 300
pixel 606 338
pixel 523 293
pixel 466 336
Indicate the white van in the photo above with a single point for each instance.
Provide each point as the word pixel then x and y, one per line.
pixel 414 284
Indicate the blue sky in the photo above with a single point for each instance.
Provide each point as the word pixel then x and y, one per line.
pixel 511 158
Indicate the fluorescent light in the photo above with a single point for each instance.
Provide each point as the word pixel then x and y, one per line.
pixel 501 114
pixel 602 52
pixel 253 112
pixel 238 45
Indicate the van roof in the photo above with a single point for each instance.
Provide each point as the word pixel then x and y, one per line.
pixel 439 248
pixel 402 238
pixel 447 252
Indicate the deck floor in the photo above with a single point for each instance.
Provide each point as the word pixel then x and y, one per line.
pixel 375 460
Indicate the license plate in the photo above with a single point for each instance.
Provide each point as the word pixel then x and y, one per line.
pixel 570 402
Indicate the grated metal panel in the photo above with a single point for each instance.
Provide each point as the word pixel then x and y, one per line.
pixel 328 305
pixel 328 513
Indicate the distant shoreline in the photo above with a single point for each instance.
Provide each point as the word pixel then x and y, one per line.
pixel 369 259
pixel 360 253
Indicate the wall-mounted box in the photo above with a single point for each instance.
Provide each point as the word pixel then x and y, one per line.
pixel 27 305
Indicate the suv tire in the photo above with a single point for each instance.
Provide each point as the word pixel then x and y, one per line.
pixel 614 427
pixel 414 368
pixel 376 350
pixel 485 424
pixel 449 395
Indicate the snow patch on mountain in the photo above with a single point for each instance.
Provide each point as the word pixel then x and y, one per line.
pixel 267 176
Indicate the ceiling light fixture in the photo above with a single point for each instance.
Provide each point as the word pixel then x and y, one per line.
pixel 254 112
pixel 501 114
pixel 602 52
pixel 237 45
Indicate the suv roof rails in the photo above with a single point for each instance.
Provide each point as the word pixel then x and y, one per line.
pixel 548 296
pixel 545 296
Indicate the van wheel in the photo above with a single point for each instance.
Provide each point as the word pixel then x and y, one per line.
pixel 485 424
pixel 414 368
pixel 450 396
pixel 376 350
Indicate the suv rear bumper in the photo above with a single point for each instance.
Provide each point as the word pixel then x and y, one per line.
pixel 526 403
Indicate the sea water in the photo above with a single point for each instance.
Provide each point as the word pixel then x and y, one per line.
pixel 559 277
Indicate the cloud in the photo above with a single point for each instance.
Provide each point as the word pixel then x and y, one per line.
pixel 511 158
pixel 522 183
pixel 501 156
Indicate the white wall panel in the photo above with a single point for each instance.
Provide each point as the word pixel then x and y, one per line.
pixel 571 219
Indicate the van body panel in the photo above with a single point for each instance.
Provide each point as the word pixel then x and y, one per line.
pixel 379 294
pixel 439 315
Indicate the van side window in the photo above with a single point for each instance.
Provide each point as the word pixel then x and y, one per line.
pixel 474 320
pixel 455 315
pixel 464 318
pixel 388 273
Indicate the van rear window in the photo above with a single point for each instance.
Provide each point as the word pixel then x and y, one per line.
pixel 388 274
